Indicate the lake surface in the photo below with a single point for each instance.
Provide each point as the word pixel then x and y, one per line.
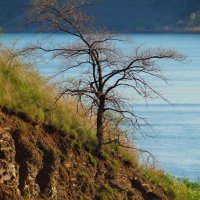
pixel 176 141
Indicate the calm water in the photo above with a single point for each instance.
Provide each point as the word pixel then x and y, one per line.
pixel 176 141
pixel 176 144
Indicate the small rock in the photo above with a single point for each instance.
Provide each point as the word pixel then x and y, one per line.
pixel 7 178
pixel 67 165
pixel 7 129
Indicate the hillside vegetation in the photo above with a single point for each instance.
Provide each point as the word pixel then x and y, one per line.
pixel 120 16
pixel 50 153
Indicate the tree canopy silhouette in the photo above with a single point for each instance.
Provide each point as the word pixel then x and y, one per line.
pixel 104 71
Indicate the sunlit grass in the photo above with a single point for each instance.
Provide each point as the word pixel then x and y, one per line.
pixel 177 189
pixel 23 90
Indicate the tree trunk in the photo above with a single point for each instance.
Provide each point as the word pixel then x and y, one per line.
pixel 99 133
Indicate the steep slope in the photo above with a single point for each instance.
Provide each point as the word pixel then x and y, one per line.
pixel 38 163
pixel 121 16
pixel 50 153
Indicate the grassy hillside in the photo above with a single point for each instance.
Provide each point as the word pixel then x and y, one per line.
pixel 24 91
pixel 59 141
pixel 121 16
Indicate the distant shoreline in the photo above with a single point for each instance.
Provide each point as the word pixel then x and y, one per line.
pixel 161 30
pixel 124 32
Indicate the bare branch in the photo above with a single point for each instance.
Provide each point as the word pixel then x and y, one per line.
pixel 103 70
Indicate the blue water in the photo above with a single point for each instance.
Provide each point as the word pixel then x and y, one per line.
pixel 176 137
pixel 175 128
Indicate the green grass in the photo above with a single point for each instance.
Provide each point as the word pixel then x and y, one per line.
pixel 177 189
pixel 23 90
pixel 92 159
pixel 189 184
pixel 107 192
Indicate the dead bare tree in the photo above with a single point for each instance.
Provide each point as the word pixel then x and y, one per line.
pixel 103 71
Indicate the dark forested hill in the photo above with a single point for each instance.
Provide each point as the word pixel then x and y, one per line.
pixel 121 16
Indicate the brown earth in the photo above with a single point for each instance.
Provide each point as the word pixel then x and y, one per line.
pixel 38 163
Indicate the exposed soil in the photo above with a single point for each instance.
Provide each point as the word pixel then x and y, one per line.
pixel 39 163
